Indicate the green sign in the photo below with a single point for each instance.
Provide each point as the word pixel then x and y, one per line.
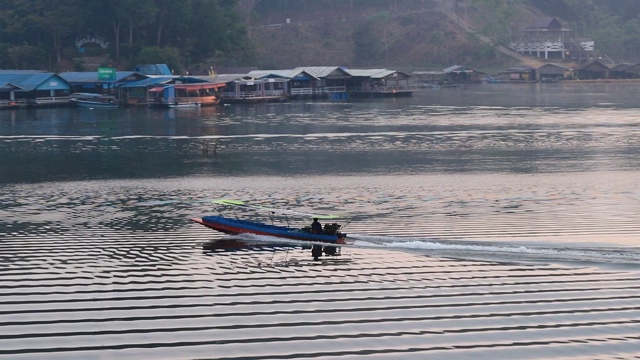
pixel 107 74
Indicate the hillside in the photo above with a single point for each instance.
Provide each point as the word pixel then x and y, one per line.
pixel 399 34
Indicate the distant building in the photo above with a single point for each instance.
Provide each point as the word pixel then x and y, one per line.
pixel 547 38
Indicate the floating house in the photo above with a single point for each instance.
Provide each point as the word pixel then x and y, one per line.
pixel 523 73
pixel 458 74
pixel 432 78
pixel 137 93
pixel 21 88
pixel 252 90
pixel 184 95
pixel 594 69
pixel 326 81
pixel 553 72
pixel 625 71
pixel 309 81
pixel 90 81
pixel 378 83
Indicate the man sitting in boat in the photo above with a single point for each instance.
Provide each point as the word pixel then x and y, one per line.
pixel 316 227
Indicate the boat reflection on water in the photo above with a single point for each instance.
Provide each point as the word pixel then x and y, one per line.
pixel 232 244
pixel 270 254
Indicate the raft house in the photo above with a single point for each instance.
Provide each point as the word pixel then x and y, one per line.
pixel 32 88
pixel 108 83
pixel 378 83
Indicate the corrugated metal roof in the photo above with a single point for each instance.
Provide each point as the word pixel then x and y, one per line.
pixel 594 65
pixel 8 86
pixel 546 23
pixel 151 81
pixel 554 65
pixel 371 73
pixel 457 69
pixel 92 76
pixel 270 73
pixel 225 78
pixel 322 71
pixel 31 80
pixel 154 80
pixel 153 69
pixel 14 72
pixel 519 69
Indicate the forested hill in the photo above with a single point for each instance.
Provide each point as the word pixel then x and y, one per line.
pixel 68 35
pixel 429 34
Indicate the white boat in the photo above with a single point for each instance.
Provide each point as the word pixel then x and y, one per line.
pixel 94 100
pixel 185 105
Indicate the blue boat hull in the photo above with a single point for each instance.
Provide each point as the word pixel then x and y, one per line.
pixel 236 226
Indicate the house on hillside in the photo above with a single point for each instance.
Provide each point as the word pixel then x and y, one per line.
pixel 545 37
pixel 21 88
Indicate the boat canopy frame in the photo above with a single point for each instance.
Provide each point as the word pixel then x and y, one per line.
pixel 285 213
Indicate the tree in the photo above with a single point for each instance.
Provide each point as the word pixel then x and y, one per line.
pixel 43 22
pixel 134 14
pixel 368 44
pixel 27 57
pixel 173 17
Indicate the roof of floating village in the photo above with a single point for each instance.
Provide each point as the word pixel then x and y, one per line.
pixel 153 69
pixel 317 72
pixel 92 76
pixel 375 73
pixel 28 80
pixel 162 80
pixel 296 74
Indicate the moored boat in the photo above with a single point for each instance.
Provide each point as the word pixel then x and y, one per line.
pixel 94 100
pixel 184 95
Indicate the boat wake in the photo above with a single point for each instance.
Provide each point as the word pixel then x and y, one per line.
pixel 507 251
pixel 476 250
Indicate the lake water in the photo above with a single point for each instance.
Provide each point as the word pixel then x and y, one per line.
pixel 96 198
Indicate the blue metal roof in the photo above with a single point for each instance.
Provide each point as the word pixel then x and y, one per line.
pixel 8 86
pixel 152 81
pixel 159 80
pixel 32 80
pixel 153 69
pixel 92 76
